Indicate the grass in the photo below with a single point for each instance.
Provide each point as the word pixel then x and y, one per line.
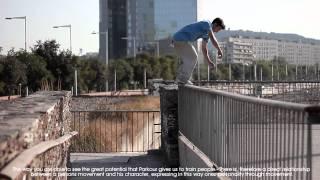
pixel 139 103
pixel 118 132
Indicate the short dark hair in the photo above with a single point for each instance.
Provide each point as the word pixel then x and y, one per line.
pixel 219 22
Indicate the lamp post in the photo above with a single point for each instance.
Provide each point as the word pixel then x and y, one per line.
pixel 25 28
pixel 106 33
pixel 66 26
pixel 20 89
pixel 244 71
pixel 286 72
pixel 230 73
pixel 75 71
pixel 296 71
pixel 271 70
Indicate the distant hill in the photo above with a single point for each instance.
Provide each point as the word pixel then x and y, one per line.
pixel 264 35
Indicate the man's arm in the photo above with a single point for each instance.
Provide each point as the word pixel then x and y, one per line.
pixel 215 43
pixel 205 53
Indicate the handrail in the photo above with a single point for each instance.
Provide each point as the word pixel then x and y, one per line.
pixel 275 103
pixel 241 131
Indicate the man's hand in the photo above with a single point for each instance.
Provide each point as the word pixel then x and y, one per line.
pixel 220 54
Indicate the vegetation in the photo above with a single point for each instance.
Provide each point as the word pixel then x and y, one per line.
pixel 46 67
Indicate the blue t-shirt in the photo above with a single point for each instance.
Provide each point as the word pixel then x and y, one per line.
pixel 194 31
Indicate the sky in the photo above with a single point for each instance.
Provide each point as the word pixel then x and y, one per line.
pixel 281 16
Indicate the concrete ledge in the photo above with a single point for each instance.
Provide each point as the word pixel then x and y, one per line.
pixel 191 156
pixel 26 122
pixel 169 123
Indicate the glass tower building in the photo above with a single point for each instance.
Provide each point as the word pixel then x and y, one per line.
pixel 171 15
pixel 132 24
pixel 113 18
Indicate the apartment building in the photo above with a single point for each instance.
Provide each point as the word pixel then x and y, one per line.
pixel 236 51
pixel 267 49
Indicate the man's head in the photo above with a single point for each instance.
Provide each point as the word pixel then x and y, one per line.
pixel 217 25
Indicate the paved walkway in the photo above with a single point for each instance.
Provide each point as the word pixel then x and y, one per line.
pixel 107 161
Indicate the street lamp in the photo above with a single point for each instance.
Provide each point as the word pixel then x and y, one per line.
pixel 75 71
pixel 271 70
pixel 134 44
pixel 107 52
pixel 107 45
pixel 66 26
pixel 25 28
pixel 244 71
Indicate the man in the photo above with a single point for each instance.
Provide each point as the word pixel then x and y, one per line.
pixel 183 39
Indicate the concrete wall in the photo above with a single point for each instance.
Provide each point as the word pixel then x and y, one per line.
pixel 26 122
pixel 169 123
pixel 178 150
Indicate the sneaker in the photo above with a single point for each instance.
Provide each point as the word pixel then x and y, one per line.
pixel 179 82
pixel 189 82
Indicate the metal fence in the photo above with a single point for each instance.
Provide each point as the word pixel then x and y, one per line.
pixel 116 131
pixel 240 131
pixel 307 92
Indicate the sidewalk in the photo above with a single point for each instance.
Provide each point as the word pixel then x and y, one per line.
pixel 117 160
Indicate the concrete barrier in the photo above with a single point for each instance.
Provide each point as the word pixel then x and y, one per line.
pixel 38 123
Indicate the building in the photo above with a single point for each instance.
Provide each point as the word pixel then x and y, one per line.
pixel 299 53
pixel 236 51
pixel 134 25
pixel 113 19
pixel 267 49
pixel 172 15
pixel 140 25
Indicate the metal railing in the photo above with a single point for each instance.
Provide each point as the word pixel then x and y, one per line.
pixel 307 92
pixel 116 131
pixel 240 131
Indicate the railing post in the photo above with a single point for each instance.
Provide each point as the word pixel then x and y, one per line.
pixel 312 124
pixel 169 124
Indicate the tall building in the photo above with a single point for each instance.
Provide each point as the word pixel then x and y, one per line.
pixel 172 15
pixel 134 24
pixel 140 25
pixel 113 19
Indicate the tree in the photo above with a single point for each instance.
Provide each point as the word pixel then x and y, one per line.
pixel 141 64
pixel 124 71
pixel 92 74
pixel 2 84
pixel 168 66
pixel 36 70
pixel 13 72
pixel 60 64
